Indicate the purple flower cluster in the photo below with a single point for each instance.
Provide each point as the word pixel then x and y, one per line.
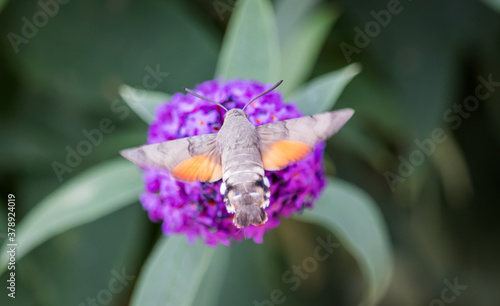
pixel 197 209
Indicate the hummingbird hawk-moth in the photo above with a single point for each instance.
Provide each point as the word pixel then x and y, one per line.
pixel 239 154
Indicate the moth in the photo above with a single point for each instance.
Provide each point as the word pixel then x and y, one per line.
pixel 239 154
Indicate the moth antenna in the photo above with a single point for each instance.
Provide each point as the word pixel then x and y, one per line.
pixel 204 98
pixel 265 92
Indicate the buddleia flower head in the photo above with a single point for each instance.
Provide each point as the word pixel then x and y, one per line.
pixel 198 209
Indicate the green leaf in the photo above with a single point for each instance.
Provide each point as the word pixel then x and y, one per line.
pixel 173 273
pixel 358 223
pixel 161 37
pixel 211 288
pixel 289 13
pixel 143 102
pixel 2 4
pixel 321 93
pixel 300 51
pixel 97 192
pixel 494 4
pixel 250 49
pixel 357 143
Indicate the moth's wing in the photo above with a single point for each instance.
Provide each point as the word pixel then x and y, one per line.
pixel 284 142
pixel 187 159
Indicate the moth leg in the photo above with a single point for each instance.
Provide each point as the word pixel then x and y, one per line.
pixel 266 203
pixel 266 182
pixel 230 208
pixel 223 188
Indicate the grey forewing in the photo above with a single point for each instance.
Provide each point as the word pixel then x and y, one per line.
pixel 169 154
pixel 201 144
pixel 309 130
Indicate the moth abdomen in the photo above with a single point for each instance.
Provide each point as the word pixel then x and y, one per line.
pixel 250 214
pixel 241 196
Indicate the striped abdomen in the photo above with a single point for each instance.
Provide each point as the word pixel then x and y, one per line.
pixel 245 188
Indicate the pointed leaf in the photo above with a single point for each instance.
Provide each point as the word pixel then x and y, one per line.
pixel 321 93
pixel 300 51
pixel 143 102
pixel 289 13
pixel 358 223
pixel 173 272
pixel 250 49
pixel 494 4
pixel 97 192
pixel 2 4
pixel 210 289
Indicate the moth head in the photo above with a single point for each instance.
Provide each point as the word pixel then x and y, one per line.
pixel 235 112
pixel 249 214
pixel 242 110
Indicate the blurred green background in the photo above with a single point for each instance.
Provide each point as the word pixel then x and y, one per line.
pixel 442 219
